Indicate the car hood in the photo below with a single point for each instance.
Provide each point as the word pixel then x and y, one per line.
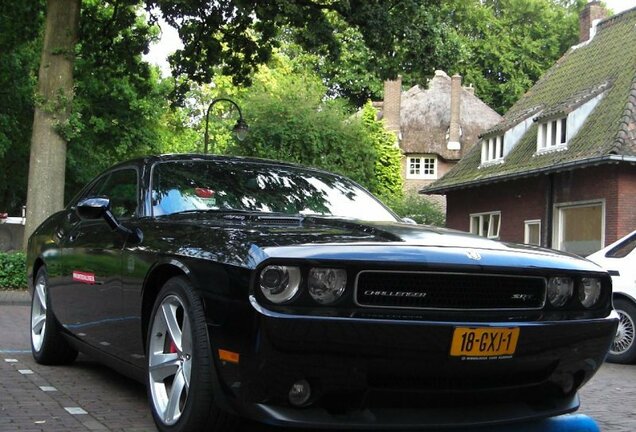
pixel 246 240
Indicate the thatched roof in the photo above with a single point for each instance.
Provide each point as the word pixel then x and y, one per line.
pixel 425 118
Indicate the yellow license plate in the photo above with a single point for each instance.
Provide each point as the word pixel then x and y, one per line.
pixel 484 342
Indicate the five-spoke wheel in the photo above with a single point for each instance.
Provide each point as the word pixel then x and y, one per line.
pixel 47 342
pixel 180 367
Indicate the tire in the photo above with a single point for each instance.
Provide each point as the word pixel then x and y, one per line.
pixel 623 349
pixel 48 345
pixel 180 366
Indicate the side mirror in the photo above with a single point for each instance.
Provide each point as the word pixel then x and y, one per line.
pixel 409 221
pixel 99 207
pixel 92 208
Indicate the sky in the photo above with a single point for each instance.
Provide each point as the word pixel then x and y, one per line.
pixel 170 41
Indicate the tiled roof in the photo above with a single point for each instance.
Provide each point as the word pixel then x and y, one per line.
pixel 607 64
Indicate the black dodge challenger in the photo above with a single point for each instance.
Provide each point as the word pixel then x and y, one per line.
pixel 239 287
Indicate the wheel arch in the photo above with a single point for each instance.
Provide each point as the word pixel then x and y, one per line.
pixel 37 265
pixel 624 296
pixel 158 275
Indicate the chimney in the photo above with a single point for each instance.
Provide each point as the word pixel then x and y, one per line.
pixel 454 131
pixel 593 11
pixel 392 101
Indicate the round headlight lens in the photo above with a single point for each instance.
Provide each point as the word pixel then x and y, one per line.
pixel 589 291
pixel 326 285
pixel 279 284
pixel 560 290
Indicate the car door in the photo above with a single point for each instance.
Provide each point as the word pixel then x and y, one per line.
pixel 90 304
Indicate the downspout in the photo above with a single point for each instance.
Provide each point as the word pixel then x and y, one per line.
pixel 549 212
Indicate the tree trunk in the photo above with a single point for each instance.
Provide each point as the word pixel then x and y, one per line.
pixel 45 194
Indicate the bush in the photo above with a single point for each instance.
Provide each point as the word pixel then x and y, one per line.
pixel 418 208
pixel 13 270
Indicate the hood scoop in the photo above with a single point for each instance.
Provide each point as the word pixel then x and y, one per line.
pixel 280 220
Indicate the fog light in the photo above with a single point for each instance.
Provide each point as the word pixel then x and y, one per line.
pixel 299 393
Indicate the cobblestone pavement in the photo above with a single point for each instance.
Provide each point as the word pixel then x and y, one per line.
pixel 86 396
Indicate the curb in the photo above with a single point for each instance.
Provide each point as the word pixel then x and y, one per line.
pixel 17 297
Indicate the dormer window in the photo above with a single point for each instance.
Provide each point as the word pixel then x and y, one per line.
pixel 492 149
pixel 552 134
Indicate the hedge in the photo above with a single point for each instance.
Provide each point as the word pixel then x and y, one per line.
pixel 13 270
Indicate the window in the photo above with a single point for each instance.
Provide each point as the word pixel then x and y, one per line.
pixel 210 186
pixel 492 149
pixel 579 227
pixel 421 167
pixel 623 249
pixel 552 134
pixel 121 187
pixel 532 232
pixel 485 224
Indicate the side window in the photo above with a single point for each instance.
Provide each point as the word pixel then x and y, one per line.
pixel 623 249
pixel 121 188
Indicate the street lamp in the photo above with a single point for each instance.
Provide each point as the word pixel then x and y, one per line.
pixel 240 128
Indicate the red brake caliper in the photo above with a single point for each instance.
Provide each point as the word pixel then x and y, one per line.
pixel 173 347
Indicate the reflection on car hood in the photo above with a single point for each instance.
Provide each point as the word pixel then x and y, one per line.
pixel 247 240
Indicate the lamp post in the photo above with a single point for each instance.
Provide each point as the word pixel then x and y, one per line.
pixel 240 128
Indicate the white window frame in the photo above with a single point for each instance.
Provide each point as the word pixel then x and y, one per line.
pixel 552 135
pixel 557 230
pixel 492 149
pixel 526 230
pixel 426 172
pixel 479 217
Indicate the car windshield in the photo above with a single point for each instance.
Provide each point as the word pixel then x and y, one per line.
pixel 180 186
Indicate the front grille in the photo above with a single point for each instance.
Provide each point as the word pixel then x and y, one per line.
pixel 459 291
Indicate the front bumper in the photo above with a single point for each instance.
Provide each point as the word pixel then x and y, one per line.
pixel 381 373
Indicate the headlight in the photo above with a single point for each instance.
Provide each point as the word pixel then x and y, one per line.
pixel 589 291
pixel 326 285
pixel 279 284
pixel 560 290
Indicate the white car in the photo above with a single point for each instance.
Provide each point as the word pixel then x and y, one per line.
pixel 619 259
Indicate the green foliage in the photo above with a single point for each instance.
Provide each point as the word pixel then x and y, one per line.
pixel 509 44
pixel 418 208
pixel 290 120
pixel 501 47
pixel 119 99
pixel 13 270
pixel 410 38
pixel 387 181
pixel 20 24
pixel 239 35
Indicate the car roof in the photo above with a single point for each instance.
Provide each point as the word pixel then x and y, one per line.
pixel 152 159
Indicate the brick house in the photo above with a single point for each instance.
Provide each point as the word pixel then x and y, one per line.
pixel 436 126
pixel 560 169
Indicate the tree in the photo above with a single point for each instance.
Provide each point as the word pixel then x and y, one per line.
pixel 119 98
pixel 509 44
pixel 501 47
pixel 237 35
pixel 290 120
pixel 45 193
pixel 19 47
pixel 387 181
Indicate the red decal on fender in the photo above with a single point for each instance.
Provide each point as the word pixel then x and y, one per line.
pixel 88 278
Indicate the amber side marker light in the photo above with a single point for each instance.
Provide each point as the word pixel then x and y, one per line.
pixel 229 356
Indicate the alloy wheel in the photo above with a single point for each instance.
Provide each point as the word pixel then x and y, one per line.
pixel 170 359
pixel 624 338
pixel 38 313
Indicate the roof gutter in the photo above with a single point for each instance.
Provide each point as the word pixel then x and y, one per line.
pixel 566 166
